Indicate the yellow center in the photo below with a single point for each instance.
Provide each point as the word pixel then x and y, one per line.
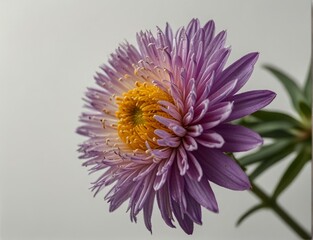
pixel 136 111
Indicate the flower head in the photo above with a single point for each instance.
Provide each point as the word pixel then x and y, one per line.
pixel 160 124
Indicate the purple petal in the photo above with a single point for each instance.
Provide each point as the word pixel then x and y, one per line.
pixel 222 170
pixel 165 206
pixel 159 181
pixel 121 196
pixel 216 44
pixel 195 130
pixel 216 114
pixel 182 161
pixel 170 109
pixel 201 110
pixel 223 92
pixel 162 133
pixel 147 211
pixel 209 29
pixel 184 221
pixel 195 170
pixel 177 185
pixel 123 59
pixel 188 116
pixel 190 143
pixel 238 70
pixel 238 138
pixel 250 102
pixel 167 164
pixel 146 191
pixel 220 57
pixel 193 209
pixel 166 121
pixel 211 139
pixel 169 142
pixel 193 27
pixel 202 193
pixel 169 36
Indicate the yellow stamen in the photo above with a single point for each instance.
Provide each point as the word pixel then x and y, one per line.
pixel 136 111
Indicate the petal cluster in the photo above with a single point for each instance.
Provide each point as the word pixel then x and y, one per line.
pixel 174 148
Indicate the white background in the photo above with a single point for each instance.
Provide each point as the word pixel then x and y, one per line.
pixel 49 52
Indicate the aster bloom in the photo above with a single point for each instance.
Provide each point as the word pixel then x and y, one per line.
pixel 160 124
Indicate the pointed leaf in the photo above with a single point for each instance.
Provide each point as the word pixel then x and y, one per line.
pixel 273 129
pixel 271 124
pixel 270 130
pixel 290 85
pixel 276 116
pixel 292 172
pixel 249 212
pixel 308 86
pixel 266 152
pixel 271 160
pixel 305 110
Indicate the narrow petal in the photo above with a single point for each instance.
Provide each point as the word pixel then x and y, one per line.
pixel 159 181
pixel 147 211
pixel 169 142
pixel 195 130
pixel 209 29
pixel 216 44
pixel 188 116
pixel 165 206
pixel 238 138
pixel 182 161
pixel 177 185
pixel 193 27
pixel 190 144
pixel 217 114
pixel 222 170
pixel 211 139
pixel 238 70
pixel 223 92
pixel 169 36
pixel 121 196
pixel 202 193
pixel 195 170
pixel 193 209
pixel 250 102
pixel 201 110
pixel 166 121
pixel 184 221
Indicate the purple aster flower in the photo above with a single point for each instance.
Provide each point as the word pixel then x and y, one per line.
pixel 160 125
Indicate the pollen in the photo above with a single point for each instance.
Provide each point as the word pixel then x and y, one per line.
pixel 136 111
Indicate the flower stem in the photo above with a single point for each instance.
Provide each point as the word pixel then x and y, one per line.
pixel 272 204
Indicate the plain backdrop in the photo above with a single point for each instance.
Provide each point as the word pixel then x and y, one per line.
pixel 49 53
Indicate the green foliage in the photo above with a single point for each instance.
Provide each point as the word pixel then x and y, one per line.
pixel 288 135
pixel 249 212
pixel 292 171
pixel 295 93
pixel 268 152
pixel 268 162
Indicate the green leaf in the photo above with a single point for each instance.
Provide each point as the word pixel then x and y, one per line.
pixel 249 212
pixel 277 134
pixel 292 171
pixel 271 160
pixel 305 110
pixel 308 86
pixel 272 124
pixel 290 85
pixel 266 153
pixel 273 129
pixel 276 117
